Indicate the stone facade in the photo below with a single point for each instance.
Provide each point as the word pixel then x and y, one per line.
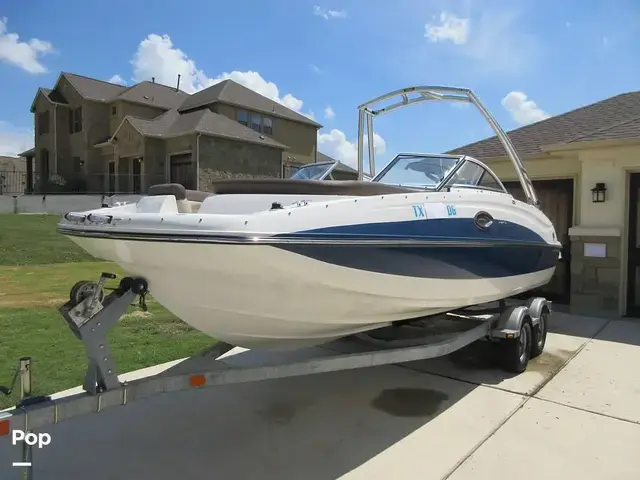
pixel 595 282
pixel 223 158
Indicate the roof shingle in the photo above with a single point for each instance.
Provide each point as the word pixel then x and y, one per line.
pixel 613 118
pixel 154 94
pixel 233 93
pixel 93 89
pixel 203 121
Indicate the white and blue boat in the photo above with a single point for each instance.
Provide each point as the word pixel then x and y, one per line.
pixel 289 262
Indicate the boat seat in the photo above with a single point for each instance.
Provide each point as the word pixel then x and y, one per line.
pixel 280 187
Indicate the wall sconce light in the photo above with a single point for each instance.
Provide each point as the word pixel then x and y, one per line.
pixel 598 193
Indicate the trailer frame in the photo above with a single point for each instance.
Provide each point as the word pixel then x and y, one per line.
pixel 519 328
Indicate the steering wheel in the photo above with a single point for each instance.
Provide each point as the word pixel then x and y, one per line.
pixel 433 176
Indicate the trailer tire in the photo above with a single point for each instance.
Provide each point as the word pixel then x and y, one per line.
pixel 539 334
pixel 516 352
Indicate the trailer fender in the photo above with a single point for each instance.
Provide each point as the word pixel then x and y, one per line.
pixel 510 322
pixel 537 307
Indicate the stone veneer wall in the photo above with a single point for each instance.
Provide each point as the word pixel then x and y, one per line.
pixel 595 282
pixel 221 158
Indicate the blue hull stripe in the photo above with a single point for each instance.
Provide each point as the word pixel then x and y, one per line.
pixel 504 249
pixel 463 262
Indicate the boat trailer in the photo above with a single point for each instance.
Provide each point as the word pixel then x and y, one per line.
pixel 518 331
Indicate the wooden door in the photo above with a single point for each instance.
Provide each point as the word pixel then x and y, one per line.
pixel 556 201
pixel 633 257
pixel 182 171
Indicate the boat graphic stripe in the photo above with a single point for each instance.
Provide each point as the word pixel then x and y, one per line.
pixel 446 262
pixel 438 229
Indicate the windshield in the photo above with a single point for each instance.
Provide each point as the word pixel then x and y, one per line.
pixel 417 170
pixel 312 171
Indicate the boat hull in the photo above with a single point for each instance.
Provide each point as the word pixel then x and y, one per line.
pixel 289 296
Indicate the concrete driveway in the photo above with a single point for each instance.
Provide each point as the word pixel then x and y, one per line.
pixel 574 414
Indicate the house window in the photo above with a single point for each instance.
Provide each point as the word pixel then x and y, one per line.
pixel 43 123
pixel 256 122
pixel 243 118
pixel 267 126
pixel 75 120
pixel 114 111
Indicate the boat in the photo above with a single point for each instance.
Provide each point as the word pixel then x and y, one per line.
pixel 287 263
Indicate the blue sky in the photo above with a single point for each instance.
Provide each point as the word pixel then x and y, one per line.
pixel 526 59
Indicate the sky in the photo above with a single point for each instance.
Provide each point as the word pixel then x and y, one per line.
pixel 526 59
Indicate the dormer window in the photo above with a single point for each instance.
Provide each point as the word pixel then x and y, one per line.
pixel 267 126
pixel 243 117
pixel 256 122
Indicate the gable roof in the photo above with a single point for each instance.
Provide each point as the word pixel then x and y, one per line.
pixel 233 93
pixel 50 95
pixel 613 118
pixel 172 124
pixel 91 88
pixel 166 97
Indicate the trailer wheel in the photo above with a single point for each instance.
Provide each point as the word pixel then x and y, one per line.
pixel 84 289
pixel 539 337
pixel 516 352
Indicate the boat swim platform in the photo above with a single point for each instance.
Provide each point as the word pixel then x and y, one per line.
pixel 91 315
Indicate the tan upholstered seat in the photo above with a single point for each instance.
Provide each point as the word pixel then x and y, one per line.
pixel 280 187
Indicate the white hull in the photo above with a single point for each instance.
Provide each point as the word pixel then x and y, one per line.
pixel 265 297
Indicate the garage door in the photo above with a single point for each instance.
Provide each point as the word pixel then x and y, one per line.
pixel 556 201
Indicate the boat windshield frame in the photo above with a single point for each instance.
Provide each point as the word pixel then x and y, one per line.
pixel 419 94
pixel 446 180
pixel 309 166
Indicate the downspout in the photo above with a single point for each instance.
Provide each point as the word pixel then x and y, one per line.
pixel 55 138
pixel 198 161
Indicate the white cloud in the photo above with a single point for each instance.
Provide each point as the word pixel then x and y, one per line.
pixel 117 79
pixel 494 40
pixel 315 69
pixel 523 111
pixel 336 145
pixel 158 57
pixel 14 140
pixel 25 55
pixel 329 113
pixel 328 14
pixel 451 28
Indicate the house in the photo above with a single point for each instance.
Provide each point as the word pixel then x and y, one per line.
pixel 585 167
pixel 96 136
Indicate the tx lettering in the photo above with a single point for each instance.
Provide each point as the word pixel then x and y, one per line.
pixel 418 211
pixel 31 439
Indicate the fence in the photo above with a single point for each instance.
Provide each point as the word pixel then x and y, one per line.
pixel 17 183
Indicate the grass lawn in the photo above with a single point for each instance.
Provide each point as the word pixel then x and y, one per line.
pixel 38 266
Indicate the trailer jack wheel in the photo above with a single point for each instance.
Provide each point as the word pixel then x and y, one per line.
pixel 84 289
pixel 516 352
